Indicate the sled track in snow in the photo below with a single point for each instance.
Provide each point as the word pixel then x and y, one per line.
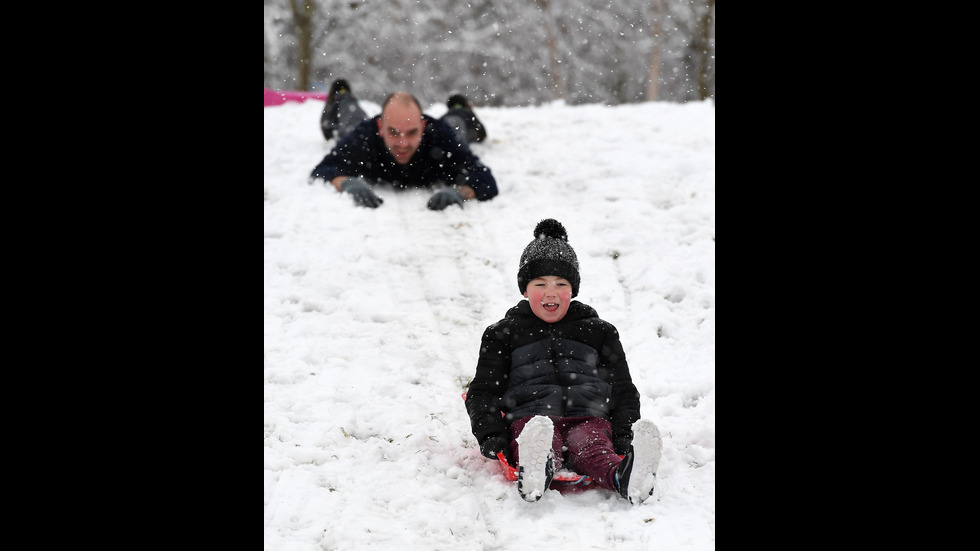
pixel 449 272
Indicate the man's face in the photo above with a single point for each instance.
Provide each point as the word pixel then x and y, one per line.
pixel 401 128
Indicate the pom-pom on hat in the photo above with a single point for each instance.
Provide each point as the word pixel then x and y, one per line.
pixel 548 254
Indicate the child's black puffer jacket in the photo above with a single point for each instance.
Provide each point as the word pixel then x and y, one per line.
pixel 572 368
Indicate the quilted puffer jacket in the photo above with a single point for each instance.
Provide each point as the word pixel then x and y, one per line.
pixel 574 367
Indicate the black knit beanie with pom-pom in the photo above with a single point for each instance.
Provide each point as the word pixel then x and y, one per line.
pixel 548 254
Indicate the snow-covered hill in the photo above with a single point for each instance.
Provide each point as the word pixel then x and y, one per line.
pixel 373 320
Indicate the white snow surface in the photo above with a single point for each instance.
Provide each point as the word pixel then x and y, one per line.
pixel 373 319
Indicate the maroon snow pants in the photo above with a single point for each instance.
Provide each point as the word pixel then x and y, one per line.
pixel 580 444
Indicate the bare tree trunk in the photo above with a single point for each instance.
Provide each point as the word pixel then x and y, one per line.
pixel 303 17
pixel 656 30
pixel 703 40
pixel 552 42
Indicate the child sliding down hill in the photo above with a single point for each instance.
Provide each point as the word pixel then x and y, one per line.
pixel 558 373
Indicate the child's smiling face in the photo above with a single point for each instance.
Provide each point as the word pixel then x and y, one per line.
pixel 549 297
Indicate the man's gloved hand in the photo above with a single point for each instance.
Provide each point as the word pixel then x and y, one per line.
pixel 363 196
pixel 494 444
pixel 622 444
pixel 444 198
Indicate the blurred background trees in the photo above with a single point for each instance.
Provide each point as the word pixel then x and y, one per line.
pixel 495 52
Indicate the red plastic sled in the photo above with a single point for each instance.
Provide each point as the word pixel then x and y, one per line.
pixel 563 478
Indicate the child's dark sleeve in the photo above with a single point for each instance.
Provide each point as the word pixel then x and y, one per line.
pixel 487 387
pixel 625 403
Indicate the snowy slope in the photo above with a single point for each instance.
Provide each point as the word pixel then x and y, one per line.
pixel 373 318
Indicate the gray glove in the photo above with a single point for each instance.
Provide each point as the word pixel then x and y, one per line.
pixel 363 196
pixel 444 198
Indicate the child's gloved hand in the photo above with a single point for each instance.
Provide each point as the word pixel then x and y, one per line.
pixel 363 195
pixel 622 444
pixel 444 198
pixel 494 444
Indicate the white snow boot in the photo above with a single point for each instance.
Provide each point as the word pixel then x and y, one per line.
pixel 536 467
pixel 637 474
